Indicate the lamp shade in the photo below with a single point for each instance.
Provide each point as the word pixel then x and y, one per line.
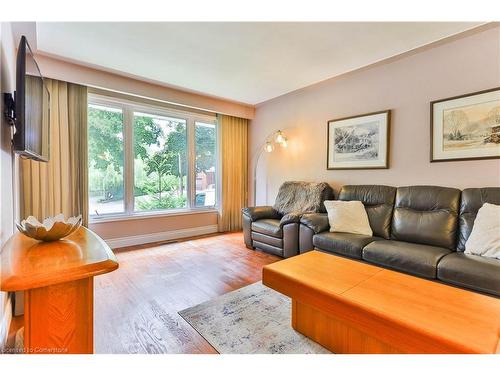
pixel 279 137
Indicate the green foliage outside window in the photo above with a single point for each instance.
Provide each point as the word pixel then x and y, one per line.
pixel 160 158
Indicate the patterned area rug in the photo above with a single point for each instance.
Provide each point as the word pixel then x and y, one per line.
pixel 254 319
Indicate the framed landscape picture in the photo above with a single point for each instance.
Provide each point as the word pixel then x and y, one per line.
pixel 466 127
pixel 359 142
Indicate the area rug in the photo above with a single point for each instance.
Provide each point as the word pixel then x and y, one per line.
pixel 254 319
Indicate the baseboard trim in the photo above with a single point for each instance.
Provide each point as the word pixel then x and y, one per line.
pixel 5 322
pixel 115 243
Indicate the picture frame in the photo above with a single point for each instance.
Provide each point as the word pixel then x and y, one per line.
pixel 359 142
pixel 465 127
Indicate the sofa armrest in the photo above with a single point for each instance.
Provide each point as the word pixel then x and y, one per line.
pixel 261 212
pixel 292 217
pixel 318 222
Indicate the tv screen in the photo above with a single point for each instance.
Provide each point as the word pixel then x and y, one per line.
pixel 32 138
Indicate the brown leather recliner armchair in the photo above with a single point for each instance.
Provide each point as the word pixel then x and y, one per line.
pixel 275 229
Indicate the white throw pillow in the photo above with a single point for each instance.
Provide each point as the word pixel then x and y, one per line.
pixel 484 239
pixel 348 217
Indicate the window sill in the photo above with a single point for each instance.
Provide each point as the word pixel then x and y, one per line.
pixel 150 215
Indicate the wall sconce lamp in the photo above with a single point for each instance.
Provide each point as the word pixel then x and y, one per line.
pixel 275 138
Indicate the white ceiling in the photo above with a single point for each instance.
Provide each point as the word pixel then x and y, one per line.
pixel 246 62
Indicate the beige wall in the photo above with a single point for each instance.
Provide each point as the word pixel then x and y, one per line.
pixel 7 84
pixel 406 86
pixel 70 72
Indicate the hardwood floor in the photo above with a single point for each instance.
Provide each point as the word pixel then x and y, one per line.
pixel 136 306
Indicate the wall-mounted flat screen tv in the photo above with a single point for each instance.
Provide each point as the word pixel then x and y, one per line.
pixel 32 135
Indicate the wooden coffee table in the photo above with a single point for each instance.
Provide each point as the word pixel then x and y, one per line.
pixel 353 307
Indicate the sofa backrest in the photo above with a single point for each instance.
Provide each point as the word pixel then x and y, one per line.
pixel 471 201
pixel 378 201
pixel 426 215
pixel 301 196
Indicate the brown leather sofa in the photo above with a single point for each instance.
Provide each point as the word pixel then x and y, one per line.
pixel 471 271
pixel 275 229
pixel 419 230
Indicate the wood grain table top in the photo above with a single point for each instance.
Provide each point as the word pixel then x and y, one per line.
pixel 457 316
pixel 27 263
pixel 320 271
pixel 462 320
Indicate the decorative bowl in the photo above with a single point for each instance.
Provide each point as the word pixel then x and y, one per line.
pixel 52 228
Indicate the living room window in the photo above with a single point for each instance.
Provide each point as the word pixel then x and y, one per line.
pixel 106 159
pixel 160 162
pixel 205 163
pixel 146 159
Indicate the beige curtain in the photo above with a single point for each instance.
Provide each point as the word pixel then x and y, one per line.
pixel 234 189
pixel 60 186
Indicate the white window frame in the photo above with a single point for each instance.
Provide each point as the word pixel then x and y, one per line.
pixel 128 108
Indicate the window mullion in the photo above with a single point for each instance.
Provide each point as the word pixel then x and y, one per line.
pixel 191 155
pixel 129 160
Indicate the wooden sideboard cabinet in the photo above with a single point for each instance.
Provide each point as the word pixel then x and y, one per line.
pixel 58 283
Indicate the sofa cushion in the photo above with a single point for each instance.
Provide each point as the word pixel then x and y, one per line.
pixel 301 196
pixel 471 271
pixel 484 240
pixel 378 201
pixel 426 215
pixel 271 227
pixel 416 259
pixel 347 244
pixel 472 200
pixel 348 217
